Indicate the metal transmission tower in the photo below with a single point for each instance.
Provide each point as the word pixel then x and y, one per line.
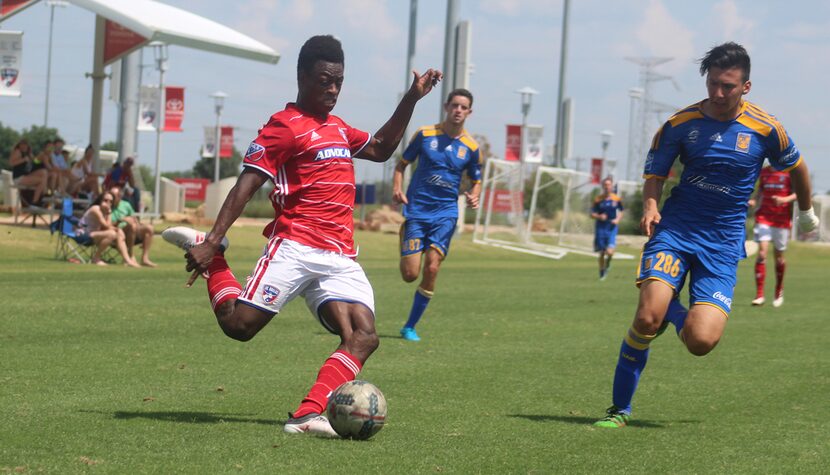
pixel 645 111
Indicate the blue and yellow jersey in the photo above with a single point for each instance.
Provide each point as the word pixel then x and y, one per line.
pixel 433 190
pixel 609 205
pixel 721 162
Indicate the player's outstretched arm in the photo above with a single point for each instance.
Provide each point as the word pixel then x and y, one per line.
pixel 800 178
pixel 386 139
pixel 652 191
pixel 247 184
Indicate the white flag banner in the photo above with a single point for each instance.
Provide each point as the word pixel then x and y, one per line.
pixel 11 54
pixel 115 82
pixel 209 148
pixel 533 154
pixel 148 108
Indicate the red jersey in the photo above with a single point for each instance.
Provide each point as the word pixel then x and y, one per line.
pixel 309 159
pixel 774 183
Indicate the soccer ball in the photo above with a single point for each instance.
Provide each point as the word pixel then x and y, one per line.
pixel 357 410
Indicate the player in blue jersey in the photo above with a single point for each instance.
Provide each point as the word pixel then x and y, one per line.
pixel 607 211
pixel 722 142
pixel 443 152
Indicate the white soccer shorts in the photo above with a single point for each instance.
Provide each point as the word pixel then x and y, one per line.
pixel 288 269
pixel 778 236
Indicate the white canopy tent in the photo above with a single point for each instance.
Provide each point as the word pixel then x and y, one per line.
pixel 145 21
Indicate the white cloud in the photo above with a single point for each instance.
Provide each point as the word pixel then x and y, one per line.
pixel 733 25
pixel 660 34
pixel 519 7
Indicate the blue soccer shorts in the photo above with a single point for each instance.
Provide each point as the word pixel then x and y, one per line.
pixel 419 234
pixel 711 282
pixel 605 239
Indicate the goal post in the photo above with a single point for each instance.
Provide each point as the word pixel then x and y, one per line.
pixel 553 222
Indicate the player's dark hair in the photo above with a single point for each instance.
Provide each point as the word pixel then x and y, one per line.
pixel 726 56
pixel 319 48
pixel 460 92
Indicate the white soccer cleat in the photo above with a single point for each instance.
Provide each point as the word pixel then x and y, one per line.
pixel 186 238
pixel 779 301
pixel 309 424
pixel 759 301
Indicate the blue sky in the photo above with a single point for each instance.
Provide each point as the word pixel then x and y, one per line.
pixel 515 44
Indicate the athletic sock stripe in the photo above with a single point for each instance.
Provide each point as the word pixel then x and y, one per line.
pixel 346 362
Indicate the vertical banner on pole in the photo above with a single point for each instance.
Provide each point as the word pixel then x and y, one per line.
pixel 596 170
pixel 11 54
pixel 513 144
pixel 535 144
pixel 173 108
pixel 209 146
pixel 226 142
pixel 148 107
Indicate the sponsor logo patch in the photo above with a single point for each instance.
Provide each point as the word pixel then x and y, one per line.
pixel 255 152
pixel 742 145
pixel 462 153
pixel 433 144
pixel 270 294
pixel 333 152
pixel 647 264
pixel 723 298
pixel 716 137
pixel 314 136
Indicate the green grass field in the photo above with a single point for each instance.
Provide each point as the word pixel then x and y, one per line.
pixel 115 370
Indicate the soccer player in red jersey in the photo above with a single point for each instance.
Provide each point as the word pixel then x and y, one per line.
pixel 773 221
pixel 307 153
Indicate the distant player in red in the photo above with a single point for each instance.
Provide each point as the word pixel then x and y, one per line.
pixel 773 221
pixel 308 155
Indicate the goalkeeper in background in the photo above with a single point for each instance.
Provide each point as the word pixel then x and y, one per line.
pixel 444 152
pixel 722 142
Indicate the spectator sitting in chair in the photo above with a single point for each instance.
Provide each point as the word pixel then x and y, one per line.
pixel 86 180
pixel 121 175
pixel 135 232
pixel 60 166
pixel 44 159
pixel 27 174
pixel 96 223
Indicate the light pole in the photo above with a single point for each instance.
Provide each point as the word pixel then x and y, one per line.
pixel 219 103
pixel 160 55
pixel 635 93
pixel 52 4
pixel 527 94
pixel 605 140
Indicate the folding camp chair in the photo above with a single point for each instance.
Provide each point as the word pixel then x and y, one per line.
pixel 72 245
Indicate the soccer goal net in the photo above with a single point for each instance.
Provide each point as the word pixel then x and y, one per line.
pixel 545 212
pixel 821 203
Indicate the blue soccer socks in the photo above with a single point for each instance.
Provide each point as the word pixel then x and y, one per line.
pixel 631 362
pixel 419 305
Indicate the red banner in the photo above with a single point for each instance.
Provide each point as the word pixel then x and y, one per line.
pixel 195 189
pixel 513 145
pixel 10 7
pixel 119 40
pixel 504 201
pixel 596 170
pixel 173 108
pixel 226 142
